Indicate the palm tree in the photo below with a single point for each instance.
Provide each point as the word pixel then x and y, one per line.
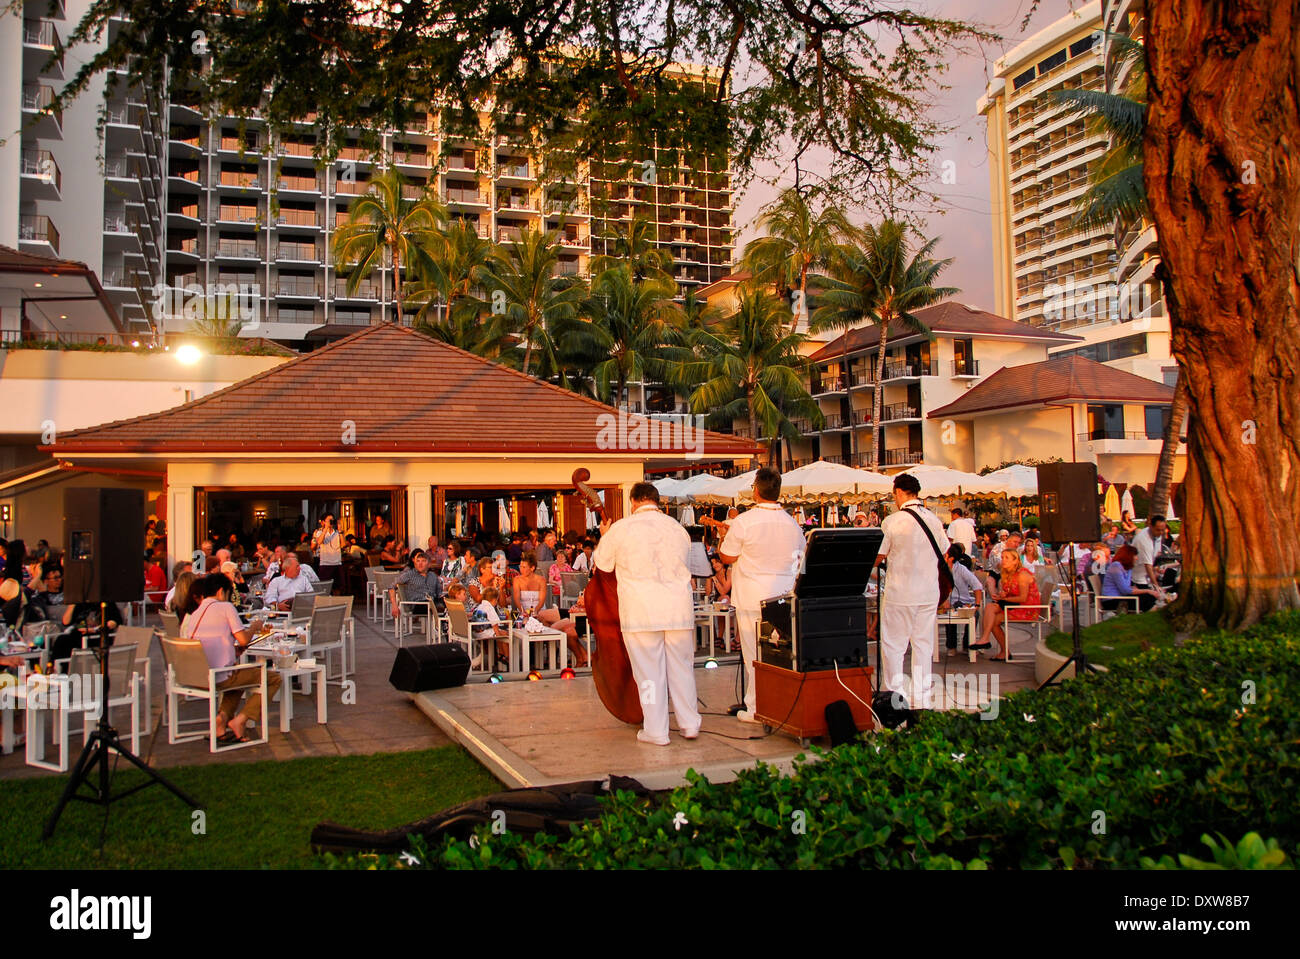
pixel 386 227
pixel 799 240
pixel 526 298
pixel 696 312
pixel 748 365
pixel 1116 197
pixel 875 278
pixel 635 246
pixel 632 331
pixel 448 309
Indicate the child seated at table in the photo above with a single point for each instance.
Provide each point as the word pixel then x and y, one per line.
pixel 486 621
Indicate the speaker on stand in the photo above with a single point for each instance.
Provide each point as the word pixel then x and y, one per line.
pixel 1068 513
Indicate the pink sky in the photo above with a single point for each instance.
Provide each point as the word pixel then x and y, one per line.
pixel 963 221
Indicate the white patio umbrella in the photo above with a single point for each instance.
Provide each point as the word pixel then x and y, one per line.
pixel 1126 502
pixel 695 486
pixel 832 479
pixel 668 487
pixel 731 492
pixel 944 481
pixel 1017 480
pixel 503 517
pixel 543 514
pixel 688 515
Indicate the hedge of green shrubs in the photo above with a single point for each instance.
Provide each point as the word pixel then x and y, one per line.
pixel 1127 769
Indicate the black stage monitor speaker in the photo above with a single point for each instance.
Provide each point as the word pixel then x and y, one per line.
pixel 103 530
pixel 1067 503
pixel 418 668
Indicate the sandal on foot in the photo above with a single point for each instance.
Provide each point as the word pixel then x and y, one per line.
pixel 981 645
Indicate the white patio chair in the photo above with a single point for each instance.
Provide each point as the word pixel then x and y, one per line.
pixel 571 586
pixel 325 634
pixel 188 675
pixel 408 611
pixel 1094 582
pixel 79 691
pixel 460 631
pixel 300 610
pixel 372 592
pixel 323 588
pixel 384 582
pixel 349 659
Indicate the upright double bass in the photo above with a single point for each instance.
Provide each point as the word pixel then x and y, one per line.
pixel 610 666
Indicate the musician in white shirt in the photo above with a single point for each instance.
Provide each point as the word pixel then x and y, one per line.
pixel 765 546
pixel 911 596
pixel 647 551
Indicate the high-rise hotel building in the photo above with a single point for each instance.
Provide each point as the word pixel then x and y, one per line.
pixel 186 198
pixel 1047 272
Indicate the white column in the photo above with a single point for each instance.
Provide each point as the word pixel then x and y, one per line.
pixel 419 514
pixel 180 524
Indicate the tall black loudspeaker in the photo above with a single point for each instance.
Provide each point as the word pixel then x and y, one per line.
pixel 1067 503
pixel 103 532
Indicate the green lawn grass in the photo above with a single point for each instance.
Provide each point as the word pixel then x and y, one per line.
pixel 259 815
pixel 1118 638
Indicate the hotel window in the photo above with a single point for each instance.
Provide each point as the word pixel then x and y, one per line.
pixel 1157 418
pixel 1020 81
pixel 1082 46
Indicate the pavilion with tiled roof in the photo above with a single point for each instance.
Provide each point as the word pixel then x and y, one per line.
pixel 389 415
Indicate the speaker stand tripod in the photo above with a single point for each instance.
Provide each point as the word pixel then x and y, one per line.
pixel 1077 657
pixel 99 744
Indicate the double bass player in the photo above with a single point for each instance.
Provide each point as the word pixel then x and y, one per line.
pixel 648 552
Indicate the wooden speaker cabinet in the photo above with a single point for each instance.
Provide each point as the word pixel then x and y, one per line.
pixel 796 703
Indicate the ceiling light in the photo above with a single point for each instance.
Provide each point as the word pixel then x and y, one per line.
pixel 39 285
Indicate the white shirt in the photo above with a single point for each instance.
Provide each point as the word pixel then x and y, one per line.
pixel 913 578
pixel 647 552
pixel 1148 547
pixel 331 550
pixel 769 546
pixel 962 530
pixel 283 588
pixel 580 562
pixel 698 561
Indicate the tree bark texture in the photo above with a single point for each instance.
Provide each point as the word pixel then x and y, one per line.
pixel 1222 176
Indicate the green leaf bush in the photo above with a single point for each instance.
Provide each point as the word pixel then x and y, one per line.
pixel 1129 769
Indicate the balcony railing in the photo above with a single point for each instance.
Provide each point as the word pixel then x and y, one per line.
pixel 297 218
pixel 309 184
pixel 247 180
pixel 238 144
pixel 365 291
pixel 37 228
pixel 298 286
pixel 903 457
pixel 190 175
pixel 827 384
pixel 40 33
pixel 41 163
pixel 836 421
pixel 1116 435
pixel 354 187
pixel 515 203
pixel 292 148
pixel 517 170
pixel 188 245
pixel 297 251
pixel 900 370
pixel 191 211
pixel 966 367
pixel 237 249
pixel 237 214
pixel 899 411
pixel 467 196
pixel 39 97
pixel 509 235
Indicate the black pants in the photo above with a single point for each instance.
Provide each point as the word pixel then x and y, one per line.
pixel 61 646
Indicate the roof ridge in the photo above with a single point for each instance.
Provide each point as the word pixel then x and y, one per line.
pixel 192 404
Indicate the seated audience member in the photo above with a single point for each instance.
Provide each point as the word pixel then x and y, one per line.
pixel 546 548
pixel 454 565
pixel 216 625
pixel 485 620
pixel 230 570
pixel 418 584
pixel 155 580
pixel 1127 525
pixel 529 591
pixel 437 553
pixel 276 564
pixel 82 620
pixel 720 581
pixel 290 583
pixel 1118 581
pixel 1018 588
pixel 484 576
pixel 379 533
pixel 17 609
pixel 558 567
pixel 515 551
pixel 351 550
pixel 179 600
pixel 1031 555
pixel 262 556
pixel 582 560
pixel 390 553
pixel 499 562
pixel 1114 539
pixel 51 594
pixel 967 591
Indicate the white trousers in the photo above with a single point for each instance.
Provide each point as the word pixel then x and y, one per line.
pixel 747 631
pixel 663 665
pixel 900 627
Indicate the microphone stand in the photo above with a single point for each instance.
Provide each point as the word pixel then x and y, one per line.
pixel 94 757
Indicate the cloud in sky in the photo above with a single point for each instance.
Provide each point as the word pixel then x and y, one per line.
pixel 964 218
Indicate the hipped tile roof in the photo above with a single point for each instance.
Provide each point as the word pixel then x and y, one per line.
pixel 387 388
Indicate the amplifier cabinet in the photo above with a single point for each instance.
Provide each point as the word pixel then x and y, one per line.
pixel 813 633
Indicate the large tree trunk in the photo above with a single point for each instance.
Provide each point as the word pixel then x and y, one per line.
pixel 1169 450
pixel 878 394
pixel 1222 177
